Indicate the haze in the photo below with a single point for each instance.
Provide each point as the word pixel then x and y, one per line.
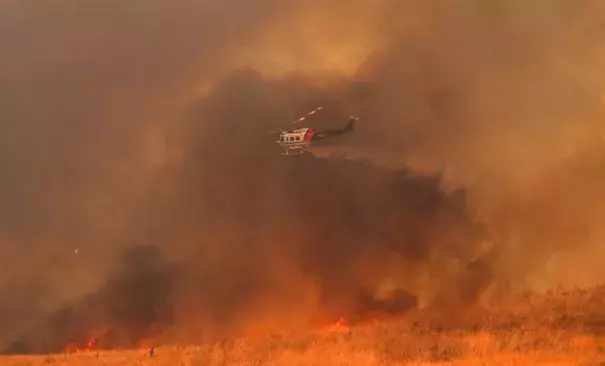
pixel 114 116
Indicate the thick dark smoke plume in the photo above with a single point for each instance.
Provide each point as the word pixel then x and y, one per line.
pixel 107 144
pixel 318 249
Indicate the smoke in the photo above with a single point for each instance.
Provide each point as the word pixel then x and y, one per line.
pixel 86 93
pixel 319 256
pixel 507 98
pixel 127 124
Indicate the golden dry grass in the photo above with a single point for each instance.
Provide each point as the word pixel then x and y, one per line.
pixel 558 329
pixel 356 349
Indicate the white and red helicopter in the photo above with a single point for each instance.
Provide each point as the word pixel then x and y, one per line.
pixel 296 141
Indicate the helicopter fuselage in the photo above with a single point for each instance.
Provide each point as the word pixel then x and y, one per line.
pixel 296 140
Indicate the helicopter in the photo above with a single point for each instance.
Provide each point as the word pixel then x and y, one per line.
pixel 296 141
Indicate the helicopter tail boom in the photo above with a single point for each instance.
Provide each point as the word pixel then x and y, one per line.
pixel 351 125
pixel 328 133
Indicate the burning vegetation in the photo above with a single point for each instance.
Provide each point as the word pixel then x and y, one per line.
pixel 190 226
pixel 398 227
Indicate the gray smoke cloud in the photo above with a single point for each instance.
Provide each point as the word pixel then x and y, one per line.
pixel 85 88
pixel 104 141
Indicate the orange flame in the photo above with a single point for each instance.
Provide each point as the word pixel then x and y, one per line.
pixel 90 345
pixel 340 326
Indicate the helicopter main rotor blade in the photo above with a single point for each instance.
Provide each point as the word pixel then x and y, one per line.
pixel 298 120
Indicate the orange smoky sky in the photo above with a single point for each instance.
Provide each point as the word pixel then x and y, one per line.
pixel 144 122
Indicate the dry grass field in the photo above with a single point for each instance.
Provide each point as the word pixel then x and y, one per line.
pixel 559 328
